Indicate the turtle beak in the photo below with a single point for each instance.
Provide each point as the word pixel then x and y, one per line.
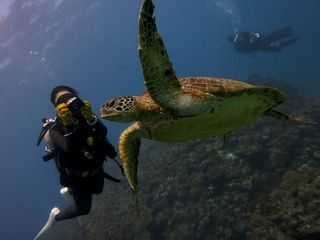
pixel 105 111
pixel 109 113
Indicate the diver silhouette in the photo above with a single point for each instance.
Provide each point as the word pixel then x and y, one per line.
pixel 250 42
pixel 76 140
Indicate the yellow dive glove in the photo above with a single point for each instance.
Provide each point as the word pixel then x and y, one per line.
pixel 64 114
pixel 87 111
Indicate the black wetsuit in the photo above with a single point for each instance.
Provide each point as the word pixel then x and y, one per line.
pixel 80 165
pixel 250 42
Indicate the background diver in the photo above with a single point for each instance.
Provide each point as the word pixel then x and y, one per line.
pixel 77 141
pixel 250 42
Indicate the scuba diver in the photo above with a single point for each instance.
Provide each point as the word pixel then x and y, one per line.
pixel 77 141
pixel 250 42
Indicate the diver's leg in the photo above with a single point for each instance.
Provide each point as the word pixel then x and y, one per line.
pixel 288 43
pixel 279 34
pixel 271 46
pixel 81 206
pixel 277 46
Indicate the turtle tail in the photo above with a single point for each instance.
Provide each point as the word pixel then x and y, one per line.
pixel 279 115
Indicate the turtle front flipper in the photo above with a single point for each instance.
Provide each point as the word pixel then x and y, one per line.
pixel 160 79
pixel 129 145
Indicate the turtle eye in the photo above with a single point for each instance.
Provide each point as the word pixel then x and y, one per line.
pixel 111 104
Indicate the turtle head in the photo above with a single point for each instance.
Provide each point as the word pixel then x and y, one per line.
pixel 120 109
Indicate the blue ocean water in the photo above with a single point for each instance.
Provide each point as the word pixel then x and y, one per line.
pixel 92 46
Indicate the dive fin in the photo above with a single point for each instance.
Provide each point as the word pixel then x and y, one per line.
pixel 279 115
pixel 50 223
pixel 66 194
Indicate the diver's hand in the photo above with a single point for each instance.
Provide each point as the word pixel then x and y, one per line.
pixel 64 114
pixel 87 111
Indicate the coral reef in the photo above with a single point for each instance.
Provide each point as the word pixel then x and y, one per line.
pixel 291 211
pixel 264 184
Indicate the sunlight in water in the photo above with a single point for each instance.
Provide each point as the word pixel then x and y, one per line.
pixel 229 8
pixel 4 8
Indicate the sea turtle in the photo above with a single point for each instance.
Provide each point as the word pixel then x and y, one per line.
pixel 179 109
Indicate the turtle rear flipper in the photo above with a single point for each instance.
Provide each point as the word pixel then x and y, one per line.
pixel 282 116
